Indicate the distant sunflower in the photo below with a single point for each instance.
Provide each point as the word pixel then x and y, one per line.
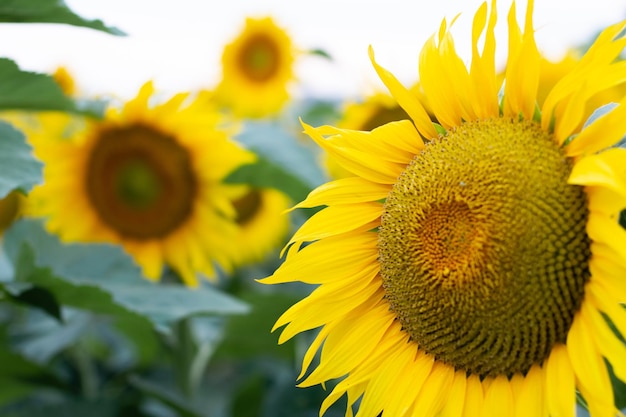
pixel 469 268
pixel 261 225
pixel 257 68
pixel 11 208
pixel 65 80
pixel 148 178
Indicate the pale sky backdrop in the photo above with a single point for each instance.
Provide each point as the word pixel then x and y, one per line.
pixel 178 43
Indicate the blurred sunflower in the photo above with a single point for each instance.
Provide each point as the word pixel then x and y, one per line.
pixel 261 225
pixel 469 267
pixel 148 178
pixel 257 68
pixel 65 80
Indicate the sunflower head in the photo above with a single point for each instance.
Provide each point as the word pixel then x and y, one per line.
pixel 257 67
pixel 147 177
pixel 472 266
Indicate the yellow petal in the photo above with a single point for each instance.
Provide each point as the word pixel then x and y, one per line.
pixel 345 191
pixel 560 383
pixel 408 101
pixel 499 398
pixel 335 220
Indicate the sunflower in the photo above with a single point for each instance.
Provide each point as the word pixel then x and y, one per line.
pixel 475 266
pixel 260 226
pixel 257 68
pixel 148 178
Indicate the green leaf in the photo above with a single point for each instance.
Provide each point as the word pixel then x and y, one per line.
pixel 19 376
pixel 87 297
pixel 166 395
pixel 18 167
pixel 320 52
pixel 24 90
pixel 248 399
pixel 250 336
pixel 48 11
pixel 113 280
pixel 33 296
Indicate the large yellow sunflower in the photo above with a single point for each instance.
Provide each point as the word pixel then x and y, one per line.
pixel 146 177
pixel 261 227
pixel 469 268
pixel 257 68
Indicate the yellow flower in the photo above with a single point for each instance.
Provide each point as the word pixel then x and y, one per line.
pixel 257 68
pixel 148 178
pixel 467 269
pixel 261 225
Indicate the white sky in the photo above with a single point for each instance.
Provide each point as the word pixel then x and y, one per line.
pixel 178 43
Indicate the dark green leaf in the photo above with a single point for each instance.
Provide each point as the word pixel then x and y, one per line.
pixel 622 218
pixel 36 297
pixel 88 297
pixel 166 395
pixel 24 90
pixel 71 406
pixel 20 376
pixel 18 167
pixel 250 336
pixel 48 11
pixel 248 399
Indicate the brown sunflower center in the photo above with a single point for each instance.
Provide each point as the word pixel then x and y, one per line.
pixel 247 206
pixel 483 248
pixel 259 58
pixel 140 181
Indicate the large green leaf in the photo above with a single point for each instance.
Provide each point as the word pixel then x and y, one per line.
pixel 48 11
pixel 111 278
pixel 18 167
pixel 25 90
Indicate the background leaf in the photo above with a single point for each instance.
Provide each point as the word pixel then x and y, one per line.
pixel 25 90
pixel 18 167
pixel 48 11
pixel 104 279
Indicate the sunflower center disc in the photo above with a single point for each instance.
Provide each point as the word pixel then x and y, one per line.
pixel 259 58
pixel 140 182
pixel 483 248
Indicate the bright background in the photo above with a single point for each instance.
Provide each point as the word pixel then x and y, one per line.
pixel 179 43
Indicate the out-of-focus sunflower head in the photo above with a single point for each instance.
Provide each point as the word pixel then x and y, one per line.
pixel 148 177
pixel 257 68
pixel 262 223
